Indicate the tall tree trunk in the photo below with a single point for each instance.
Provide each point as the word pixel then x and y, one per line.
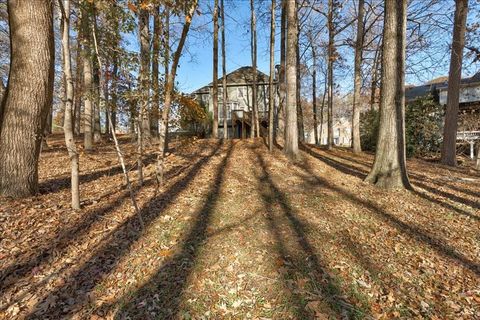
pixel 301 129
pixel 170 80
pixel 374 84
pixel 281 72
pixel 454 78
pixel 87 79
pixel 322 110
pixel 28 97
pixel 144 34
pixel 78 86
pixel 253 26
pixel 113 109
pixel 224 73
pixel 291 130
pixel 215 70
pixel 389 169
pixel 155 108
pixel 97 129
pixel 331 58
pixel 271 92
pixel 357 81
pixel 314 94
pixel 68 120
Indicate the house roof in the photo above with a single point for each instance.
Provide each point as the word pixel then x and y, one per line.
pixel 242 75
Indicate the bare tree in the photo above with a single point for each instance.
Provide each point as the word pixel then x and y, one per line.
pixel 169 83
pixel 215 70
pixel 28 96
pixel 271 92
pixel 68 118
pixel 389 169
pixel 291 130
pixel 255 129
pixel 454 78
pixel 224 73
pixel 87 78
pixel 357 80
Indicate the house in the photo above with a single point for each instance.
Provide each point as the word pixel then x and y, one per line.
pixel 239 101
pixel 342 133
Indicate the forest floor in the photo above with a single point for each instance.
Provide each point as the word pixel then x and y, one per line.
pixel 239 233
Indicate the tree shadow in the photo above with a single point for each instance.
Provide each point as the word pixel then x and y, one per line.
pixel 413 231
pixel 325 284
pixel 416 181
pixel 163 292
pixel 69 297
pixel 65 237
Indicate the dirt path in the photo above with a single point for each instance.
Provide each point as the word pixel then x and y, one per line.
pixel 238 233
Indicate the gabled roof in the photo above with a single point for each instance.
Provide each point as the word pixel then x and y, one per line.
pixel 242 75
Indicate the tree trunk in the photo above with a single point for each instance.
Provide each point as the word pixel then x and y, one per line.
pixel 314 94
pixel 68 120
pixel 322 110
pixel 155 108
pixel 301 129
pixel 255 132
pixel 215 70
pixel 331 58
pixel 291 130
pixel 224 73
pixel 389 169
pixel 144 34
pixel 281 72
pixel 78 87
pixel 271 92
pixel 28 97
pixel 97 129
pixel 374 84
pixel 356 146
pixel 454 78
pixel 87 81
pixel 170 80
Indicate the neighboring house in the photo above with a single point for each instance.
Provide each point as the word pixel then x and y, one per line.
pixel 239 101
pixel 342 133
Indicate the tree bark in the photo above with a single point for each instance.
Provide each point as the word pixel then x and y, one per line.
pixel 281 72
pixel 68 119
pixel 454 78
pixel 356 146
pixel 170 80
pixel 28 97
pixel 78 86
pixel 87 81
pixel 291 130
pixel 215 70
pixel 271 92
pixel 155 108
pixel 314 94
pixel 255 131
pixel 389 169
pixel 224 73
pixel 144 34
pixel 331 58
pixel 301 129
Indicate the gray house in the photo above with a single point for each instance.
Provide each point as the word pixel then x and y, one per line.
pixel 239 101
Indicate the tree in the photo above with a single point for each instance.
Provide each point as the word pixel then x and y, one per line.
pixel 291 130
pixel 169 83
pixel 28 95
pixel 255 128
pixel 282 87
pixel 215 70
pixel 224 73
pixel 454 78
pixel 331 57
pixel 271 93
pixel 68 118
pixel 157 30
pixel 389 168
pixel 87 77
pixel 357 80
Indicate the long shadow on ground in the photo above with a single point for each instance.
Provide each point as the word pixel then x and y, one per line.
pixel 416 180
pixel 310 266
pixel 74 294
pixel 415 232
pixel 161 296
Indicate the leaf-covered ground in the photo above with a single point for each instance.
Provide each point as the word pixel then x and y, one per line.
pixel 239 233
